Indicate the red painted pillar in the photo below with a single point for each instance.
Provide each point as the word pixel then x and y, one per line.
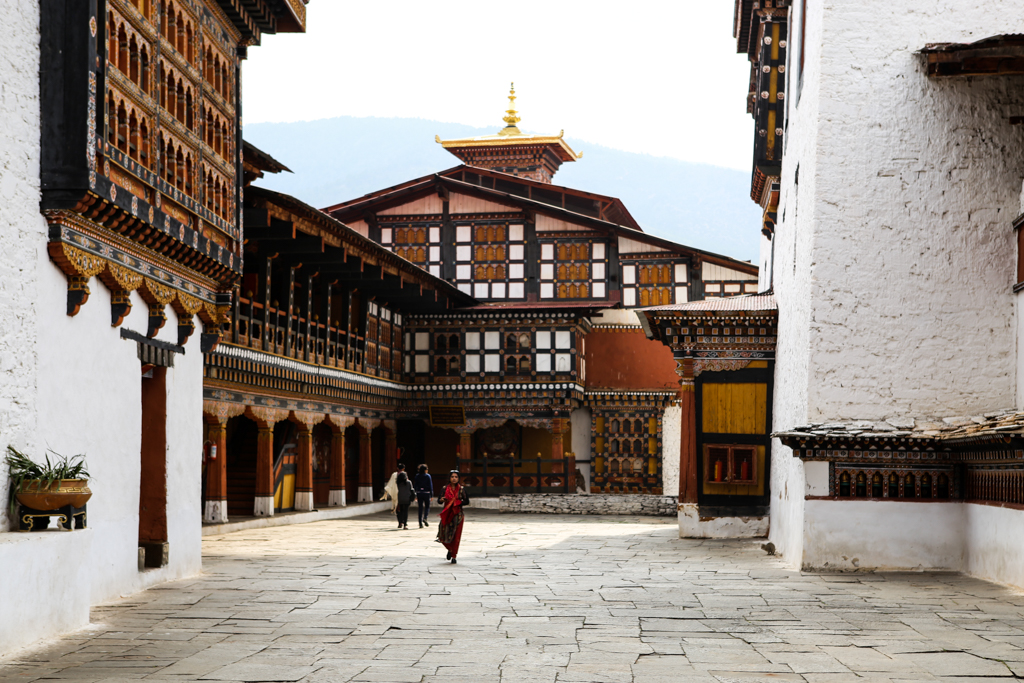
pixel 337 469
pixel 390 451
pixel 304 469
pixel 217 474
pixel 688 484
pixel 465 453
pixel 263 506
pixel 365 467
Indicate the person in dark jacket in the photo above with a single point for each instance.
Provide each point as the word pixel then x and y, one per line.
pixel 405 497
pixel 424 486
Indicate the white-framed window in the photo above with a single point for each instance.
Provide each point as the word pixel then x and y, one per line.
pixel 422 341
pixel 463 252
pixel 516 290
pixel 547 252
pixel 473 363
pixel 629 297
pixel 498 290
pixel 563 362
pixel 422 363
pixel 515 233
pixel 547 271
pixel 463 272
pixel 547 290
pixel 563 339
pixel 599 290
pixel 516 252
pixel 598 250
pixel 629 275
pixel 385 235
pixel 681 272
pixel 492 362
pixel 435 235
pixel 480 290
pixel 492 340
pixel 516 271
pixel 463 233
pixel 598 271
pixel 682 295
pixel 543 339
pixel 543 362
pixel 472 341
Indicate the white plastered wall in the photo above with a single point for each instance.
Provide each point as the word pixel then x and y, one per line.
pixel 22 228
pixel 671 430
pixel 90 388
pixel 581 428
pixel 72 384
pixel 930 171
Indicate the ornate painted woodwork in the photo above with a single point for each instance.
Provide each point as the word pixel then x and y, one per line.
pixel 140 147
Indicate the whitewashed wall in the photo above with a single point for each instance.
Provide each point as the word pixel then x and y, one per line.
pixel 581 427
pixel 894 256
pixel 72 384
pixel 90 388
pixel 918 181
pixel 671 429
pixel 22 228
pixel 792 279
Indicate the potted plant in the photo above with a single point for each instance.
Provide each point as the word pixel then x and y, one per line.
pixel 49 486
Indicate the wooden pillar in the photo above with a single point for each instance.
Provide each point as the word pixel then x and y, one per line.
pixel 304 469
pixel 216 509
pixel 688 484
pixel 263 506
pixel 365 494
pixel 465 453
pixel 337 469
pixel 391 447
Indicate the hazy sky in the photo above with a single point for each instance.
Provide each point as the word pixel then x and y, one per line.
pixel 658 77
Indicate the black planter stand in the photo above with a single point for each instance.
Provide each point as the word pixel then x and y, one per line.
pixel 68 517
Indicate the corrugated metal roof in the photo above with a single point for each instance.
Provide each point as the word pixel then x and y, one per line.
pixel 746 302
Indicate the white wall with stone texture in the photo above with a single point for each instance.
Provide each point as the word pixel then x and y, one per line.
pixel 22 228
pixel 894 254
pixel 792 282
pixel 671 430
pixel 73 385
pixel 875 534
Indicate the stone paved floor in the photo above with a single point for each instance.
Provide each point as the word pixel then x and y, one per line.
pixel 535 598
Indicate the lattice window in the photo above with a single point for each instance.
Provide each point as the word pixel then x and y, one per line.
pixel 861 482
pixel 627 452
pixel 654 283
pixel 491 260
pixel 573 270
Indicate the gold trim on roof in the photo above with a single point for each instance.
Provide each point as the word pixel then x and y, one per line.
pixel 511 136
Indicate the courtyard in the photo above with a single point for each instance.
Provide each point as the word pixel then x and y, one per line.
pixel 534 598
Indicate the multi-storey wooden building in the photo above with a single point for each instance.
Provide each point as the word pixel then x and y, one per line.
pixel 479 318
pixel 130 134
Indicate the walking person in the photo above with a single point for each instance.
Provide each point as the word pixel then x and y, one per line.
pixel 449 530
pixel 404 497
pixel 391 489
pixel 424 486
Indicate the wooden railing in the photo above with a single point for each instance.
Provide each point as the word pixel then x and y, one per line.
pixel 270 329
pixel 495 477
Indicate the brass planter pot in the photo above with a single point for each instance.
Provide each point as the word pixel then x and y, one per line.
pixel 73 492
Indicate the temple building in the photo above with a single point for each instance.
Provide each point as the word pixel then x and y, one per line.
pixel 120 248
pixel 479 318
pixel 888 160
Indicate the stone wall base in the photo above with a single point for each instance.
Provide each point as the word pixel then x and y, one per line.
pixel 574 504
pixel 692 525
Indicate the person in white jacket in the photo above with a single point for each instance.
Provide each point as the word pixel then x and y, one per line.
pixel 391 489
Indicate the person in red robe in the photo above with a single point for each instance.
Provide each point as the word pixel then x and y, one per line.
pixel 453 499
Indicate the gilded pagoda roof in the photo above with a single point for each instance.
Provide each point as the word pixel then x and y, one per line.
pixel 511 136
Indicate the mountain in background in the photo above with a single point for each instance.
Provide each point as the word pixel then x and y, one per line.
pixel 338 159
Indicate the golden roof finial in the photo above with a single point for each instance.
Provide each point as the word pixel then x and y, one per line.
pixel 511 117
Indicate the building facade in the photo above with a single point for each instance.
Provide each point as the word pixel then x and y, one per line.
pixel 890 202
pixel 480 318
pixel 120 159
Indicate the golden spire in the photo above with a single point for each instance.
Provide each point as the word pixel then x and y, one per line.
pixel 511 117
